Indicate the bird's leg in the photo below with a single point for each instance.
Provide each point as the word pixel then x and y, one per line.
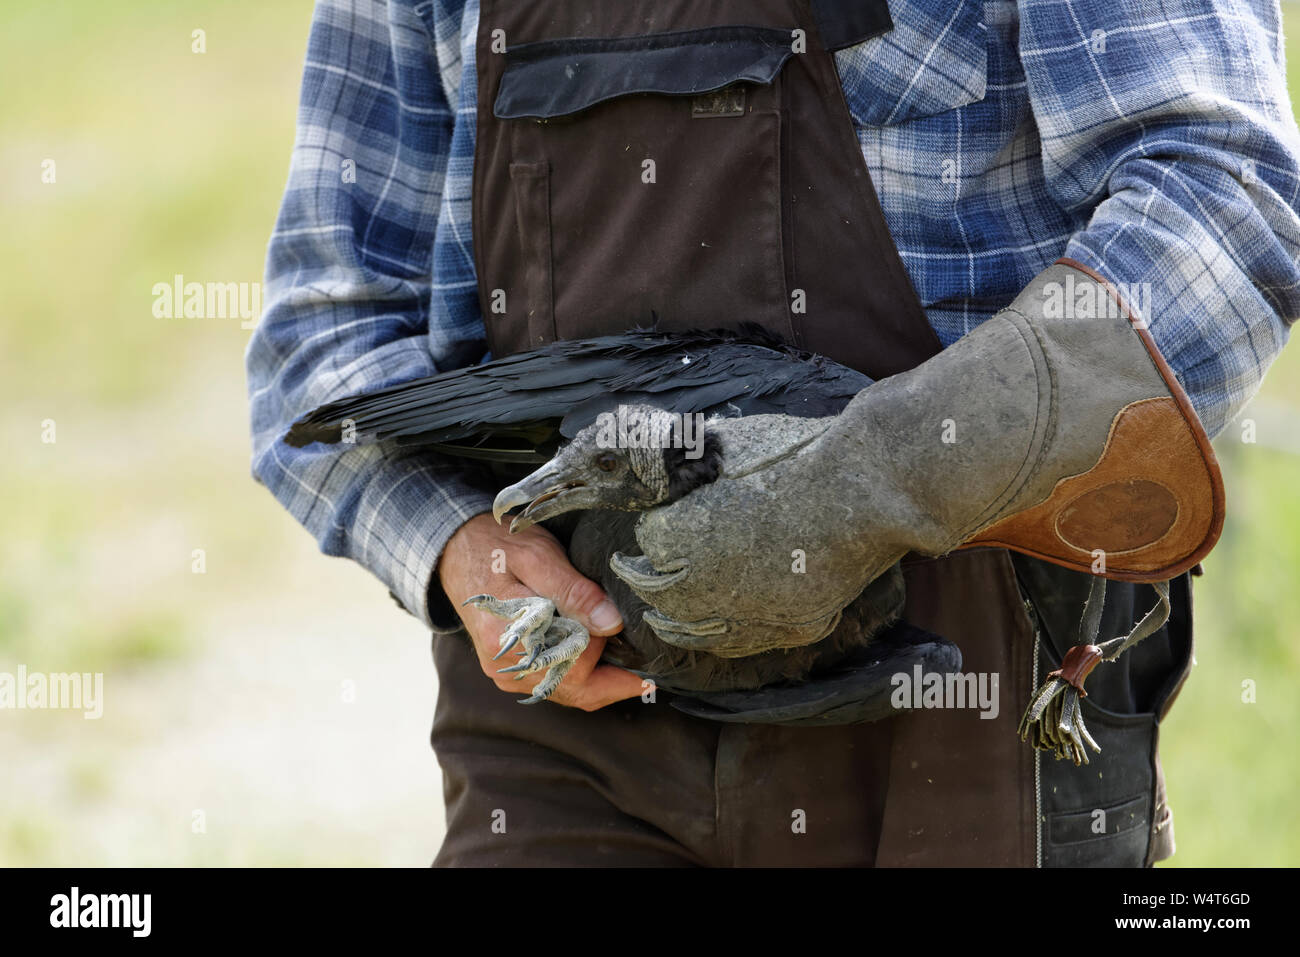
pixel 549 641
pixel 556 651
pixel 526 615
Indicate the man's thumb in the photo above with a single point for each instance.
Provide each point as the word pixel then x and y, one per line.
pixel 576 596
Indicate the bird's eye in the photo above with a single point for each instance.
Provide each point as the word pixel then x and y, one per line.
pixel 607 461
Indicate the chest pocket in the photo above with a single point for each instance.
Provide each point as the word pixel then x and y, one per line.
pixel 935 59
pixel 645 173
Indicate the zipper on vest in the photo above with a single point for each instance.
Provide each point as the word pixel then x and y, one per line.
pixel 1038 778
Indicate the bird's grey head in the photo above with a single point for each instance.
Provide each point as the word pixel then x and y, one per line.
pixel 631 459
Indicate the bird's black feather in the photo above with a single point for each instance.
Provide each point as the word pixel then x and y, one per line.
pixel 565 385
pixel 686 473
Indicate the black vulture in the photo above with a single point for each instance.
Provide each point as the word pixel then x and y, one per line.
pixel 755 397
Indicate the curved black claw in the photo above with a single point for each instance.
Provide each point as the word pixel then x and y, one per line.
pixel 549 641
pixel 556 650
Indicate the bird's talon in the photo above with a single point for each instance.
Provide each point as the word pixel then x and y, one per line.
pixel 547 641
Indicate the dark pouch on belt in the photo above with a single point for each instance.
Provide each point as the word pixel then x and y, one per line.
pixel 1112 811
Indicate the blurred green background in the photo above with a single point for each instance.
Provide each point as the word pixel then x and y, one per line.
pixel 275 708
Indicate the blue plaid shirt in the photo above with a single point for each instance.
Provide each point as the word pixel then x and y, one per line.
pixel 1153 142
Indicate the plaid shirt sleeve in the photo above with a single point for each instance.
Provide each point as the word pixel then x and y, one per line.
pixel 1169 127
pixel 349 288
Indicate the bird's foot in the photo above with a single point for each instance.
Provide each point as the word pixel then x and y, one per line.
pixel 548 641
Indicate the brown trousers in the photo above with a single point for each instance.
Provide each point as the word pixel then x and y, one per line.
pixel 641 783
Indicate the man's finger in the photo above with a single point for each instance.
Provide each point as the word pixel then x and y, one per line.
pixel 605 685
pixel 575 596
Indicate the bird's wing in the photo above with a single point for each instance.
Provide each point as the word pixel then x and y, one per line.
pixel 522 404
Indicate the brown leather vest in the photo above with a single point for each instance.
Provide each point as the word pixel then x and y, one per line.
pixel 692 164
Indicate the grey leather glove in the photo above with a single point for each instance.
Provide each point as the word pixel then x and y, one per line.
pixel 1054 428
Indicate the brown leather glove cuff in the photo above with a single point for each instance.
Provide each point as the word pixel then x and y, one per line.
pixel 1150 508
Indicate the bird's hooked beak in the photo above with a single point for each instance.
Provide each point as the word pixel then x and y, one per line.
pixel 546 493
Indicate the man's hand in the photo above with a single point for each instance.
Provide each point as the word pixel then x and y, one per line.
pixel 535 564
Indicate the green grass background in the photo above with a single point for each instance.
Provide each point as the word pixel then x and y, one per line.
pixel 171 162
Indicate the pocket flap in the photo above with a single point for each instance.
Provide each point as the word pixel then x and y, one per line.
pixel 553 78
pixel 1101 822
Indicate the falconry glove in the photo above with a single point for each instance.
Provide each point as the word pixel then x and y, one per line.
pixel 1054 428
